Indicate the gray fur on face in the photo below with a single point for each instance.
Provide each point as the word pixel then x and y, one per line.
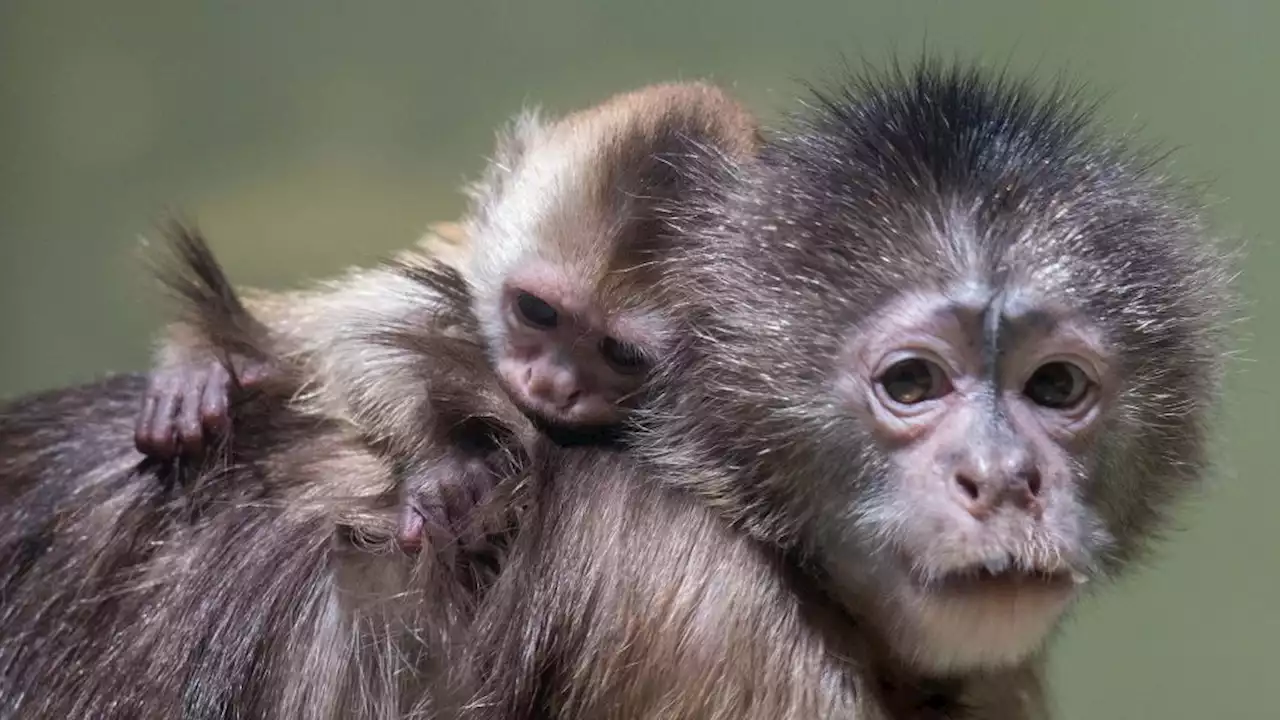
pixel 913 187
pixel 274 592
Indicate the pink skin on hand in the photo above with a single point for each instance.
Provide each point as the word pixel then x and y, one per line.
pixel 439 500
pixel 188 405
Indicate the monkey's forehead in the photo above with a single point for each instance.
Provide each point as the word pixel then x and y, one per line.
pixel 1044 279
pixel 972 300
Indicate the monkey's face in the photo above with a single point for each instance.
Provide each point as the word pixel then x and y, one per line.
pixel 986 405
pixel 951 348
pixel 962 458
pixel 561 355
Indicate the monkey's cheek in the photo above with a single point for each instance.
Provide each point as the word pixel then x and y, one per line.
pixel 982 624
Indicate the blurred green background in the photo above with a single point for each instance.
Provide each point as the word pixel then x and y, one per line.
pixel 306 136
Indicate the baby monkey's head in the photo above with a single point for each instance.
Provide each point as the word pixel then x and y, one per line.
pixel 566 225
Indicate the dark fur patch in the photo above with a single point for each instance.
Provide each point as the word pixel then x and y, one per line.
pixel 665 585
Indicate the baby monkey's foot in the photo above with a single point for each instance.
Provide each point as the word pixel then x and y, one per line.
pixel 185 403
pixel 439 501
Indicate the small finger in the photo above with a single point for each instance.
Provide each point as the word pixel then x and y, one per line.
pixel 437 505
pixel 481 487
pixel 213 403
pixel 433 512
pixel 142 437
pixel 252 372
pixel 439 538
pixel 161 430
pixel 448 498
pixel 410 530
pixel 190 431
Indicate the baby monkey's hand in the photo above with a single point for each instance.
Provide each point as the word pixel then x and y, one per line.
pixel 187 404
pixel 439 500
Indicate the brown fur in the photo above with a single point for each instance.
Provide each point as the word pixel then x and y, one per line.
pixel 107 568
pixel 272 593
pixel 733 567
pixel 583 193
pixel 624 599
pixel 922 185
pixel 271 585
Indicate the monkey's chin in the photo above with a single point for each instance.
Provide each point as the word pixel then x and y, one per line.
pixel 568 436
pixel 980 620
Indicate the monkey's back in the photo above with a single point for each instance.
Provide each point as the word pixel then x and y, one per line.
pixel 120 597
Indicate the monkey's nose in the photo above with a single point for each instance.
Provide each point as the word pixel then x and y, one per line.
pixel 982 485
pixel 555 386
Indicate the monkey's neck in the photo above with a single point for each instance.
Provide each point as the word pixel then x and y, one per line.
pixel 904 692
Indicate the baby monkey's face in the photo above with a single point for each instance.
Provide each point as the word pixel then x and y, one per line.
pixel 562 357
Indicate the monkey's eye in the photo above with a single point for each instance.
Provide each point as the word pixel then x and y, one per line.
pixel 1057 385
pixel 914 380
pixel 536 312
pixel 623 357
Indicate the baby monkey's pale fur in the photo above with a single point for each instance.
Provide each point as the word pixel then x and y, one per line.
pixel 565 222
pixel 945 353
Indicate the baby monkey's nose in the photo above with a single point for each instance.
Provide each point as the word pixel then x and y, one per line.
pixel 555 385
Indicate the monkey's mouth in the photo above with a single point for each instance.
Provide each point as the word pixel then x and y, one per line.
pixel 570 436
pixel 1004 577
pixel 990 613
pixel 983 580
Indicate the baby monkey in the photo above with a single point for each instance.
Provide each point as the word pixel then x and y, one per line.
pixel 557 250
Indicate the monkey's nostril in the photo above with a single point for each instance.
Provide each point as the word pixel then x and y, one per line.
pixel 1033 482
pixel 969 487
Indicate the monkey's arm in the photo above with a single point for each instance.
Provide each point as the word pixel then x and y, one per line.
pixel 323 331
pixel 192 378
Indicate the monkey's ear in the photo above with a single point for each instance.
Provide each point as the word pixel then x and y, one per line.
pixel 512 144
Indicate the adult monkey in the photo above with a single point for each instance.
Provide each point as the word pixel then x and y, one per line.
pixel 898 461
pixel 952 356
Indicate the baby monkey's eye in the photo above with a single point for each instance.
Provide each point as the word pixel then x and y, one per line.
pixel 536 312
pixel 914 380
pixel 1057 385
pixel 623 357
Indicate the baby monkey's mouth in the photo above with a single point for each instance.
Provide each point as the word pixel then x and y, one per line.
pixel 566 436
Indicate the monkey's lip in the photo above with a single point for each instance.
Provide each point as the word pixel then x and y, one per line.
pixel 988 580
pixel 546 415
